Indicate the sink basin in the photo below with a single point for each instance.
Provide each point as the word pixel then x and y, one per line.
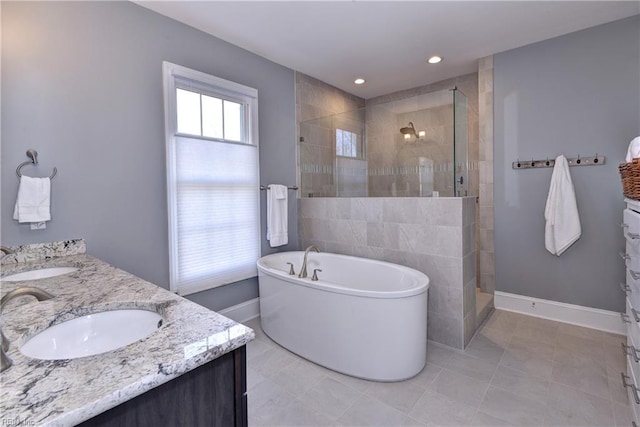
pixel 43 273
pixel 92 334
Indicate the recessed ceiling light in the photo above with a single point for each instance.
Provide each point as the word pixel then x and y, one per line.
pixel 359 81
pixel 434 59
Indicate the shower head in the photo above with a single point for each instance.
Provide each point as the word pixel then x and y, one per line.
pixel 409 130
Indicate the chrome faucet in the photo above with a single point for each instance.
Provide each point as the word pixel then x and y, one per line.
pixel 5 250
pixel 5 361
pixel 303 272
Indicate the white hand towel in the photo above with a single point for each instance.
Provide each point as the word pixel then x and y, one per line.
pixel 34 199
pixel 277 215
pixel 633 151
pixel 562 226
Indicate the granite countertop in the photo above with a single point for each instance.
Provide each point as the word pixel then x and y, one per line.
pixel 67 392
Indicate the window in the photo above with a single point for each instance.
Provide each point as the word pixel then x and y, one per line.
pixel 208 116
pixel 347 144
pixel 212 179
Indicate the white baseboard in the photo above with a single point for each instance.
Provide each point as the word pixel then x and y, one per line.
pixel 244 311
pixel 603 320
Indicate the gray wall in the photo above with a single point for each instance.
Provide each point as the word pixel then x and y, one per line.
pixel 574 95
pixel 82 84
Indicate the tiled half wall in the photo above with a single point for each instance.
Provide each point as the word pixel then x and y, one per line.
pixel 434 235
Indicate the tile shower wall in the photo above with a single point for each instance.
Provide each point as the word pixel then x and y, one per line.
pixel 434 235
pixel 316 99
pixel 486 262
pixel 468 84
pixel 394 161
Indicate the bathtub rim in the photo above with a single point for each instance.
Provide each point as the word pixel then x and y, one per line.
pixel 325 286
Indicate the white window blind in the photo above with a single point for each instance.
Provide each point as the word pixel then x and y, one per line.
pixel 213 180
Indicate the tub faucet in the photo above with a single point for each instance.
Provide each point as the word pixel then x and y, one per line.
pixel 5 361
pixel 303 272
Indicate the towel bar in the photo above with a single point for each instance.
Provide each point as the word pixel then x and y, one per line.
pixel 33 155
pixel 262 187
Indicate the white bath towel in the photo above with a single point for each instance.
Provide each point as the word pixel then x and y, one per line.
pixel 633 151
pixel 277 215
pixel 562 227
pixel 34 199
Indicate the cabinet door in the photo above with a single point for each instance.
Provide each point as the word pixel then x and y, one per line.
pixel 213 394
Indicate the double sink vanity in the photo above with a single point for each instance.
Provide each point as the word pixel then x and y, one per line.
pixel 103 347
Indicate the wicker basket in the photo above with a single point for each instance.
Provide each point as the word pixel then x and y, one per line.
pixel 630 174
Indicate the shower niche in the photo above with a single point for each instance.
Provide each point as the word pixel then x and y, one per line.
pixel 412 147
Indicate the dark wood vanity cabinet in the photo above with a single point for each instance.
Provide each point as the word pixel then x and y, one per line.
pixel 214 394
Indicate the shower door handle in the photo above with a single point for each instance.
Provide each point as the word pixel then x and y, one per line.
pixel 460 180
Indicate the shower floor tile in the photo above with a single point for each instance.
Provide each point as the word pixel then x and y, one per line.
pixel 517 365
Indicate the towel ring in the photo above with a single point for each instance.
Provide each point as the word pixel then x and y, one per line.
pixel 33 155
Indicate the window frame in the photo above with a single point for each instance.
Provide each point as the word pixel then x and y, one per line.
pixel 176 76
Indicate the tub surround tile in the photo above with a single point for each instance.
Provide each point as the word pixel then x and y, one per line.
pixel 367 209
pixel 339 248
pixel 443 211
pixel 402 210
pixel 469 298
pixel 470 325
pixel 445 329
pixel 488 344
pixel 445 300
pixel 369 252
pixel 433 235
pixel 352 232
pixel 383 235
pixel 67 392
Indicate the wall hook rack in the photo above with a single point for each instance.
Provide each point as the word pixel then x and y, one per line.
pixel 546 163
pixel 33 155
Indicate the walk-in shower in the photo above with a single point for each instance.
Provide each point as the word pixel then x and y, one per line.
pixel 382 182
pixel 412 147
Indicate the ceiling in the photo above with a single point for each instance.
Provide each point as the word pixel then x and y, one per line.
pixel 387 42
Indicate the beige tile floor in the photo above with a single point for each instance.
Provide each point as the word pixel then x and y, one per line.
pixel 517 371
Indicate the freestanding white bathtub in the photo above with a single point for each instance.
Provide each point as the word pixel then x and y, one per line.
pixel 363 318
